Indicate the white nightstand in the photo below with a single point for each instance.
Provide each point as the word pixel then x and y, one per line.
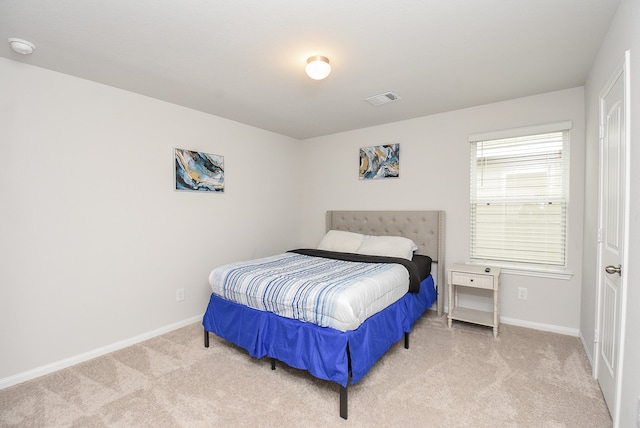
pixel 485 277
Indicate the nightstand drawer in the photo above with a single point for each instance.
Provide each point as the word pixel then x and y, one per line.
pixel 471 280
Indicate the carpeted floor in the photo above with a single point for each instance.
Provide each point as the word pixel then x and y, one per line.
pixel 458 377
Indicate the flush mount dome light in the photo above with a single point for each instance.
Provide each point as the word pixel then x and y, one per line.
pixel 22 47
pixel 318 67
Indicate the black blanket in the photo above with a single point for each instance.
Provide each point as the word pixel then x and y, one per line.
pixel 412 268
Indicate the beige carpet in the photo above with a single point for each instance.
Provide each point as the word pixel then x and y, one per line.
pixel 459 377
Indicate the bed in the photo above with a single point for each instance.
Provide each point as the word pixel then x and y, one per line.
pixel 330 348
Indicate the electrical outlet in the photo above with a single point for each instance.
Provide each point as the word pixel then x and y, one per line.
pixel 522 293
pixel 179 294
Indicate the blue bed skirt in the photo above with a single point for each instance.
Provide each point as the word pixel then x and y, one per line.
pixel 320 350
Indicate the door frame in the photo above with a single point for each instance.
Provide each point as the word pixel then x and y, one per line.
pixel 622 69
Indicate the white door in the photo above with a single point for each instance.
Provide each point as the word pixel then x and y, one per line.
pixel 613 182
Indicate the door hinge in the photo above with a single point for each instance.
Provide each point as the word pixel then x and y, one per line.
pixel 596 336
pixel 599 235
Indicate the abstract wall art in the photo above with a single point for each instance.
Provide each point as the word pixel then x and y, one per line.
pixel 199 171
pixel 380 162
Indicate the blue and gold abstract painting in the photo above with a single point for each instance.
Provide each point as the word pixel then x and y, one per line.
pixel 199 171
pixel 380 162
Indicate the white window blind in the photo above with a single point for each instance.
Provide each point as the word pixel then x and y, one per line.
pixel 519 195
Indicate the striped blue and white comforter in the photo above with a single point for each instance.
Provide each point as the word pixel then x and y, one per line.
pixel 327 292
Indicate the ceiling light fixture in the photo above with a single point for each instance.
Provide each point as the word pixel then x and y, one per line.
pixel 22 47
pixel 318 67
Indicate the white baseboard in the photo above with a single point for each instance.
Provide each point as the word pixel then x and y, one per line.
pixel 539 326
pixel 587 351
pixel 532 325
pixel 68 362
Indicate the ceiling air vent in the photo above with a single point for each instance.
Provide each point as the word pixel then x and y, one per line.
pixel 387 97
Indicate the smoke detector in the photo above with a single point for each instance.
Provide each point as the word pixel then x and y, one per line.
pixel 380 99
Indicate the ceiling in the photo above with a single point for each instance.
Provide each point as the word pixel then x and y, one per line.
pixel 244 59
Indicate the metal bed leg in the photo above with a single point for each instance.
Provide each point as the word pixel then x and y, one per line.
pixel 406 341
pixel 206 338
pixel 344 395
pixel 344 405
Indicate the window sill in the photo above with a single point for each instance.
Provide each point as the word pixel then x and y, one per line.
pixel 526 271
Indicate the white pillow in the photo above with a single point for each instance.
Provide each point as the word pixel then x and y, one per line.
pixel 339 240
pixel 389 246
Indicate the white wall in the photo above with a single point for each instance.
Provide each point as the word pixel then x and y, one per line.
pixel 624 34
pixel 94 241
pixel 434 175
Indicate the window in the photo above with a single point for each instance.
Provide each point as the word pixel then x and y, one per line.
pixel 519 196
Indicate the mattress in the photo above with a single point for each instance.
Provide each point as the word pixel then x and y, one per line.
pixel 327 292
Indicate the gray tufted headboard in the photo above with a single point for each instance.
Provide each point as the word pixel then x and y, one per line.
pixel 425 228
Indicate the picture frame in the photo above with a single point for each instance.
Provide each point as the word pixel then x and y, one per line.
pixel 198 171
pixel 377 162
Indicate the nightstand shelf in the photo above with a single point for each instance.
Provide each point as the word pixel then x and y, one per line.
pixel 472 276
pixel 472 315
